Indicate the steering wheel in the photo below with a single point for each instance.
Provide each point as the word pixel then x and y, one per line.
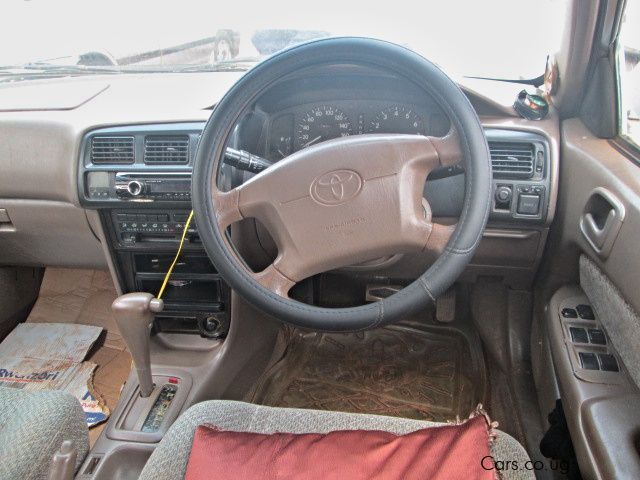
pixel 346 200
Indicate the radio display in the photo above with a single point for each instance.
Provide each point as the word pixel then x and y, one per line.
pixel 168 185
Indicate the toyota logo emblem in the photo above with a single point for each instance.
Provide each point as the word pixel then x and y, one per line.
pixel 336 187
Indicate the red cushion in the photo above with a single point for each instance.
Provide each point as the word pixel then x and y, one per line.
pixel 448 452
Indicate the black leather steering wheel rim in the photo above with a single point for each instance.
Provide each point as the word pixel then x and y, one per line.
pixel 362 51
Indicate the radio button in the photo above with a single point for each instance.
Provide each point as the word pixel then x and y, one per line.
pixel 163 218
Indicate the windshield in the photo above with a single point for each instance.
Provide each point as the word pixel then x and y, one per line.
pixel 490 38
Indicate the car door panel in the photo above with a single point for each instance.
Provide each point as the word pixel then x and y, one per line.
pixel 596 241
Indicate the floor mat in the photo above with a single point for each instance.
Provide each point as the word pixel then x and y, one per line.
pixel 84 297
pixel 49 356
pixel 396 371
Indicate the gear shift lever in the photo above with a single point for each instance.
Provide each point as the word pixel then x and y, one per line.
pixel 134 313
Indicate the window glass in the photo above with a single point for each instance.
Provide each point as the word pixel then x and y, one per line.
pixel 492 38
pixel 629 72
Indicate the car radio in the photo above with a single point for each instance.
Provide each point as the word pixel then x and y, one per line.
pixel 153 186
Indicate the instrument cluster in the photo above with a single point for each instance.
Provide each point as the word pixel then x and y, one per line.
pixel 309 124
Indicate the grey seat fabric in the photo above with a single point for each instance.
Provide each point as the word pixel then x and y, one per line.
pixel 33 425
pixel 169 460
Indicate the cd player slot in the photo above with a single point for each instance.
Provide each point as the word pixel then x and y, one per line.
pixel 150 238
pixel 129 238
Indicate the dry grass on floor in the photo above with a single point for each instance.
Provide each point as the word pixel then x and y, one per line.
pixel 85 297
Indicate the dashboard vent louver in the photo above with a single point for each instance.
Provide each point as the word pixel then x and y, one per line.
pixel 112 150
pixel 166 149
pixel 512 159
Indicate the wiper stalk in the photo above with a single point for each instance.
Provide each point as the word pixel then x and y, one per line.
pixel 246 161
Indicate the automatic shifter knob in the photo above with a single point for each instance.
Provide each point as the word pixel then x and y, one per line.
pixel 134 313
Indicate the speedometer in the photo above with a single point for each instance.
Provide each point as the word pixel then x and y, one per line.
pixel 397 119
pixel 322 123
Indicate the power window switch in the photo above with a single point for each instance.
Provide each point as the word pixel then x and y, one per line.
pixel 585 312
pixel 578 335
pixel 597 337
pixel 608 362
pixel 589 361
pixel 569 313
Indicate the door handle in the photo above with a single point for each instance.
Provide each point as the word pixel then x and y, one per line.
pixel 601 220
pixel 598 235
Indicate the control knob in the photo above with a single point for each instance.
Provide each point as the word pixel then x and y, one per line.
pixel 503 194
pixel 135 188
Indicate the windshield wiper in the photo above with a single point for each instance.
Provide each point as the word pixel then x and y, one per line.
pixel 62 69
pixel 34 71
pixel 239 66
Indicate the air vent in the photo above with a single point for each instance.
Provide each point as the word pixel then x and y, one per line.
pixel 166 149
pixel 512 159
pixel 112 150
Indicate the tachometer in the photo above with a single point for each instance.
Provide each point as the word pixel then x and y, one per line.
pixel 322 123
pixel 397 119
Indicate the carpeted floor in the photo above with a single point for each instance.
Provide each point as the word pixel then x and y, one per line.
pixel 397 371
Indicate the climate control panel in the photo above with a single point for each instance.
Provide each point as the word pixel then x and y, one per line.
pixel 135 227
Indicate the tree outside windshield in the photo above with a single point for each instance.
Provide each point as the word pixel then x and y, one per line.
pixel 494 38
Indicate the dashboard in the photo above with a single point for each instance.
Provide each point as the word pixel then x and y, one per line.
pixel 75 165
pixel 130 164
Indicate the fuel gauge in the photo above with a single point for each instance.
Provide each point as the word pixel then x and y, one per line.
pixel 282 146
pixel 281 137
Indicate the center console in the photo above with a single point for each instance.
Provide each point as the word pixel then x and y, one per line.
pixel 139 179
pixel 145 242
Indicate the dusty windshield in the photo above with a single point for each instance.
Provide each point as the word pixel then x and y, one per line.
pixel 491 38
